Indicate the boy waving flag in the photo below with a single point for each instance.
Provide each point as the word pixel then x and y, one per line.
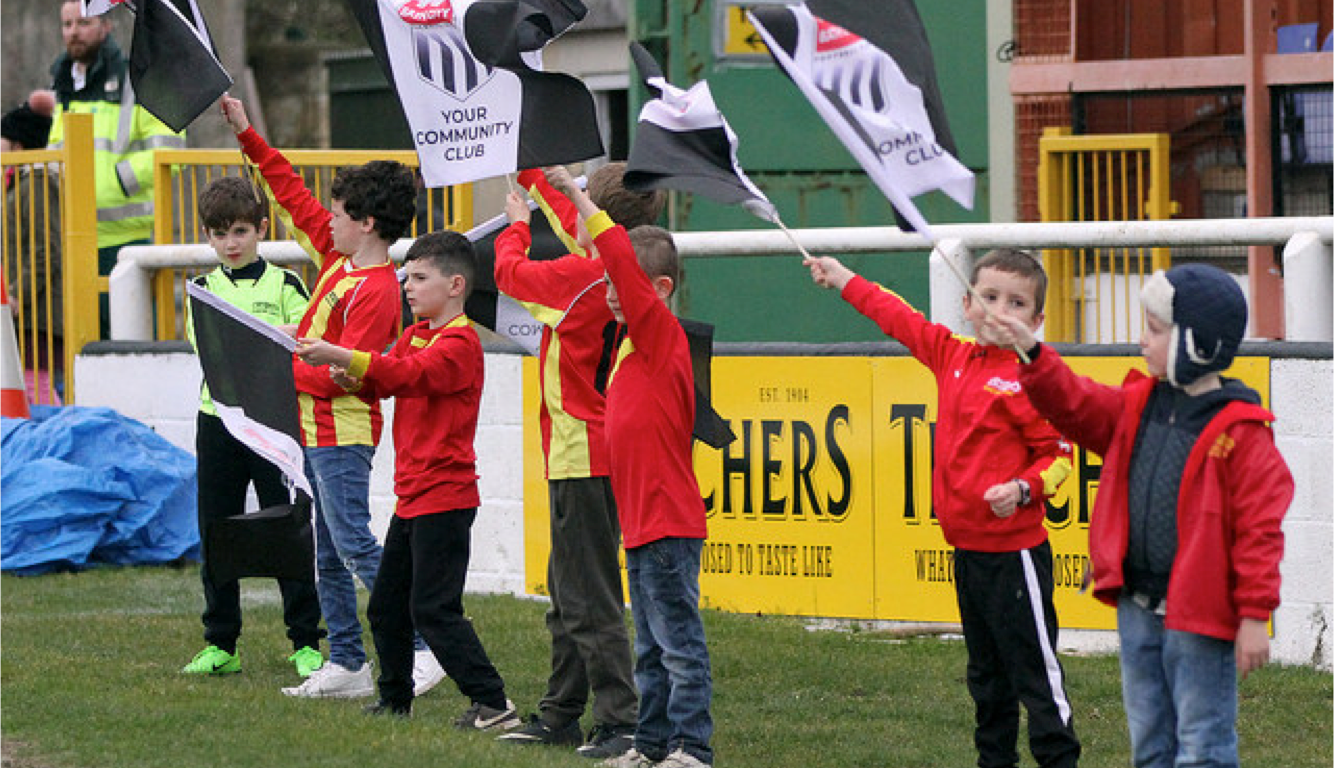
pixel 864 96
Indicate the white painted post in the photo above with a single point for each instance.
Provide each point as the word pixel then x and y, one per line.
pixel 131 297
pixel 947 290
pixel 1308 288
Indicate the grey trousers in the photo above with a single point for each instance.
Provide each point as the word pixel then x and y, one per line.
pixel 590 647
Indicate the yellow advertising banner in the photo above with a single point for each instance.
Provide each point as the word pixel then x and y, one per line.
pixel 822 506
pixel 791 502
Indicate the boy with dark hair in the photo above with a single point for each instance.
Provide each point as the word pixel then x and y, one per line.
pixel 435 371
pixel 996 460
pixel 235 218
pixel 1187 530
pixel 650 417
pixel 356 304
pixel 590 648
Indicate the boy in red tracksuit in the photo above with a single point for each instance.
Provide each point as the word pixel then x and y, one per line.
pixel 435 371
pixel 996 460
pixel 650 418
pixel 590 648
pixel 1187 530
pixel 356 303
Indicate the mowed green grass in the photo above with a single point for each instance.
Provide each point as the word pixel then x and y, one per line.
pixel 89 678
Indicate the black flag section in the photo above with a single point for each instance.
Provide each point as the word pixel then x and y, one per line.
pixel 276 542
pixel 710 428
pixel 175 73
pixel 499 32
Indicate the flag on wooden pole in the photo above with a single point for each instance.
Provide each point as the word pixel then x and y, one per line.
pixel 862 93
pixel 682 141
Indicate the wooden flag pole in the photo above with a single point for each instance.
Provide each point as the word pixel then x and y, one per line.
pixel 790 236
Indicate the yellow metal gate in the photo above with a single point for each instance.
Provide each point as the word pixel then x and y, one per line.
pixel 1094 292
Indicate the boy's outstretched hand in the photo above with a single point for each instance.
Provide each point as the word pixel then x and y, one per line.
pixel 1011 331
pixel 321 352
pixel 828 272
pixel 516 209
pixel 233 111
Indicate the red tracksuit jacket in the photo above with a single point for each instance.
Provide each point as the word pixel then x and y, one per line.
pixel 987 432
pixel 1234 492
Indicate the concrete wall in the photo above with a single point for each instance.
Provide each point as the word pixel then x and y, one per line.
pixel 158 384
pixel 114 374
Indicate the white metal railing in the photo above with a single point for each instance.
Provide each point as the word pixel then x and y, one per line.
pixel 1307 258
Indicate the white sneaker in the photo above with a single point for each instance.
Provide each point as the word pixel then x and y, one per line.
pixel 682 759
pixel 426 672
pixel 335 681
pixel 632 758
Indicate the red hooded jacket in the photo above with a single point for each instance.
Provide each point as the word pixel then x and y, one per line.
pixel 1235 491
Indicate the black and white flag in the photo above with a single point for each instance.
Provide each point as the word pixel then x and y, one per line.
pixel 553 235
pixel 99 7
pixel 247 365
pixel 683 142
pixel 472 119
pixel 174 68
pixel 864 96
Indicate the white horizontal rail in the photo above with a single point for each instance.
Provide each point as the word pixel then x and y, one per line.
pixel 131 293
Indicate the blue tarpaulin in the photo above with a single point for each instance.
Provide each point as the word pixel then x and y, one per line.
pixel 87 486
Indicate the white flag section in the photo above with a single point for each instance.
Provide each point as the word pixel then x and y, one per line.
pixel 862 94
pixel 463 115
pixel 99 7
pixel 280 449
pixel 247 365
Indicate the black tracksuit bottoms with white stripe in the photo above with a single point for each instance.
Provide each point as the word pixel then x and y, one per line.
pixel 1009 627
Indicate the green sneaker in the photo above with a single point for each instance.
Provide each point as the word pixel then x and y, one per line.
pixel 307 660
pixel 213 661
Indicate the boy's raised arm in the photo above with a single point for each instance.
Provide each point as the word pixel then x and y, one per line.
pixel 310 219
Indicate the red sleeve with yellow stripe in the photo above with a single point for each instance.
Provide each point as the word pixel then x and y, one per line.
pixel 290 190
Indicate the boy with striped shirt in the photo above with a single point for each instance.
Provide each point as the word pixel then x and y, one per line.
pixel 356 303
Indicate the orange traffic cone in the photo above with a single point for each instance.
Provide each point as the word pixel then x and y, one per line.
pixel 13 399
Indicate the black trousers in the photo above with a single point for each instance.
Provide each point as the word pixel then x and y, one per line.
pixel 226 469
pixel 1009 627
pixel 590 646
pixel 420 584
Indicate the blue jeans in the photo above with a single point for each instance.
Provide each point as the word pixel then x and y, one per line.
pixel 671 658
pixel 1179 690
pixel 344 544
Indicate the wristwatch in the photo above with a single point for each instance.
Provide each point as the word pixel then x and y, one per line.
pixel 1025 493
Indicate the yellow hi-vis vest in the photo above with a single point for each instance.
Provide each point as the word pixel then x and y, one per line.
pixel 124 137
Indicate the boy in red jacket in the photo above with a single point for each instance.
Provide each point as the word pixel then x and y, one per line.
pixel 590 648
pixel 650 417
pixel 435 370
pixel 1186 535
pixel 996 460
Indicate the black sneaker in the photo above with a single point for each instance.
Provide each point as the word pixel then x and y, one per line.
pixel 480 717
pixel 608 741
pixel 383 708
pixel 537 732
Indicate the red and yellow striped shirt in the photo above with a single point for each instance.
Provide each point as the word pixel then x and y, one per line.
pixel 358 308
